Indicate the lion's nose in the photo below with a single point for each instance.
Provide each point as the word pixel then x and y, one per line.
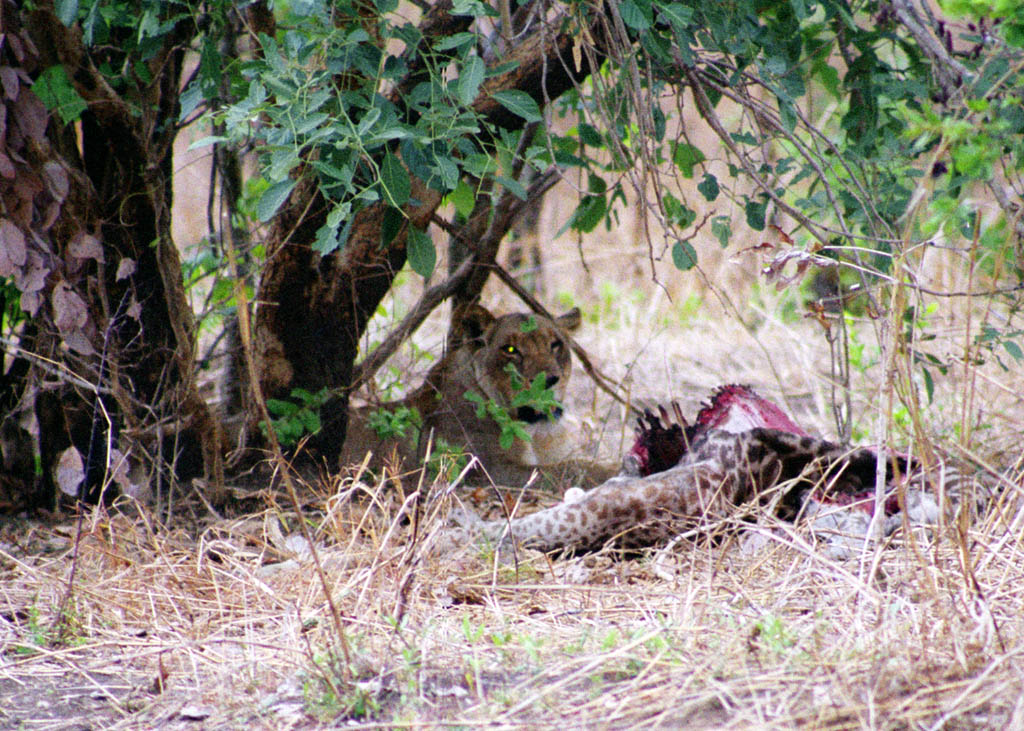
pixel 552 380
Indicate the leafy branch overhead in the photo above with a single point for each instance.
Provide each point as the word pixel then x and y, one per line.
pixel 328 99
pixel 374 106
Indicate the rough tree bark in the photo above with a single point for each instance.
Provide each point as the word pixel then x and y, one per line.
pixel 93 212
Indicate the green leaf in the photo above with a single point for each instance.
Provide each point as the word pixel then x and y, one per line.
pixel 395 179
pixel 721 230
pixel 447 171
pixel 305 125
pixel 470 79
pixel 278 407
pixel 755 210
pixel 463 199
pixel 55 91
pixel 589 213
pixel 829 79
pixel 190 99
pixel 204 141
pixel 677 213
pixel 929 384
pixel 519 103
pixel 272 199
pixel 685 156
pixel 677 14
pixel 659 123
pixel 512 185
pixel 326 240
pixel 281 162
pixel 91 24
pixel 708 186
pixel 67 11
pixel 787 114
pixel 447 43
pixel 684 256
pixel 474 8
pixel 391 223
pixel 477 399
pixel 634 16
pixel 420 252
pixel 589 135
pixel 367 122
pixel 1013 349
pixel 310 421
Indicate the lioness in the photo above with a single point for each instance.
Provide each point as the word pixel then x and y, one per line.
pixel 494 358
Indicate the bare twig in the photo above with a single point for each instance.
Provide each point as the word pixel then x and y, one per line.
pixel 949 73
pixel 284 468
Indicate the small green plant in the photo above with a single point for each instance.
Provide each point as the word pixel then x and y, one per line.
pixel 446 460
pixel 473 633
pixel 537 397
pixel 861 358
pixel 529 326
pixel 773 633
pixel 687 310
pixel 610 641
pixel 41 634
pixel 405 421
pixel 10 312
pixel 566 299
pixel 324 703
pixel 532 646
pixel 292 420
pixel 331 693
pixel 38 635
pixel 992 339
pixel 511 429
pixel 578 645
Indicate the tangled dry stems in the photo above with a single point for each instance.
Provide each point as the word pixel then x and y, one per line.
pixel 741 628
pixel 747 626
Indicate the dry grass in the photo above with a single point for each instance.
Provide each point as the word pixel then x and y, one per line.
pixel 215 618
pixel 224 620
pixel 738 632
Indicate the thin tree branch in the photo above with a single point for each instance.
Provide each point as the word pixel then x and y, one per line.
pixel 434 296
pixel 950 74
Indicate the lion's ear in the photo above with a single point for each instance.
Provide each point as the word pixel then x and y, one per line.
pixel 570 320
pixel 470 323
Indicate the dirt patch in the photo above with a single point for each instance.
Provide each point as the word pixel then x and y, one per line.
pixel 55 696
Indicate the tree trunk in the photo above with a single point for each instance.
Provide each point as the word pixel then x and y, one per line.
pixel 94 213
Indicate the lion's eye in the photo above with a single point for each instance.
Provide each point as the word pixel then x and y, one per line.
pixel 511 350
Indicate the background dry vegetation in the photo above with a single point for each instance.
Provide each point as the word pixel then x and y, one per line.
pixel 222 621
pixel 342 614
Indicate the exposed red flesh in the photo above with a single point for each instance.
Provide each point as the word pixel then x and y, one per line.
pixel 735 408
pixel 662 441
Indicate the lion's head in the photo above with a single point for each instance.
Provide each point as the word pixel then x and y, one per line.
pixel 509 351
